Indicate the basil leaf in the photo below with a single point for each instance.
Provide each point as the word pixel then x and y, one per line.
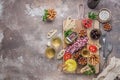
pixel 92 15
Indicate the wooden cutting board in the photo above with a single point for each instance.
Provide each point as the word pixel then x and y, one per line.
pixel 77 27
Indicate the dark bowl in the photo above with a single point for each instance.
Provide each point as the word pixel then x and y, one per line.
pixel 95 34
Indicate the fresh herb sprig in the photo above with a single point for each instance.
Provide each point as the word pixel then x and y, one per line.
pixel 68 32
pixel 45 15
pixel 90 72
pixel 92 15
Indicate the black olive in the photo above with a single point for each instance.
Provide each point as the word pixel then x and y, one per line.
pixel 95 34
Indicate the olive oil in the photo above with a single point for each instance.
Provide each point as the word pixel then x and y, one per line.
pixel 56 42
pixel 85 53
pixel 50 52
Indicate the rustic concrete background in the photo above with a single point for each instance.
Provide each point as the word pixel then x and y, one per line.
pixel 23 37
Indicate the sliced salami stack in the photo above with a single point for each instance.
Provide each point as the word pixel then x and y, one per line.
pixel 79 44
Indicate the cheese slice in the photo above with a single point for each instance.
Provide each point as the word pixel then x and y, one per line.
pixel 70 24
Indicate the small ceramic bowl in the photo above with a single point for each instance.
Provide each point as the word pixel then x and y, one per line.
pixel 85 53
pixel 104 15
pixel 95 34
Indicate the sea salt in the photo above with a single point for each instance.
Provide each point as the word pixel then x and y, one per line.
pixel 104 15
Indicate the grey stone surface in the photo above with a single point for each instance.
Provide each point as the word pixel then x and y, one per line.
pixel 23 37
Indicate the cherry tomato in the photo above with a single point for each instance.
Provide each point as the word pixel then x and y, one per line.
pixel 93 48
pixel 87 23
pixel 67 56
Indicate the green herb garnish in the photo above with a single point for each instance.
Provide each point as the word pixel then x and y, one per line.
pixel 92 68
pixel 68 32
pixel 92 15
pixel 90 72
pixel 45 15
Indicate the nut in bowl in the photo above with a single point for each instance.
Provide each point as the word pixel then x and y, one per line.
pixel 107 27
pixel 82 61
pixel 83 33
pixel 76 55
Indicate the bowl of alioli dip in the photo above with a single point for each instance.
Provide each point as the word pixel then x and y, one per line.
pixel 104 15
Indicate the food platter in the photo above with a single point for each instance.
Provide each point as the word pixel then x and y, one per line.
pixel 82 57
pixel 80 51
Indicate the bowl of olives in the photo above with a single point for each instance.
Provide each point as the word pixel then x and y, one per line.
pixel 95 34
